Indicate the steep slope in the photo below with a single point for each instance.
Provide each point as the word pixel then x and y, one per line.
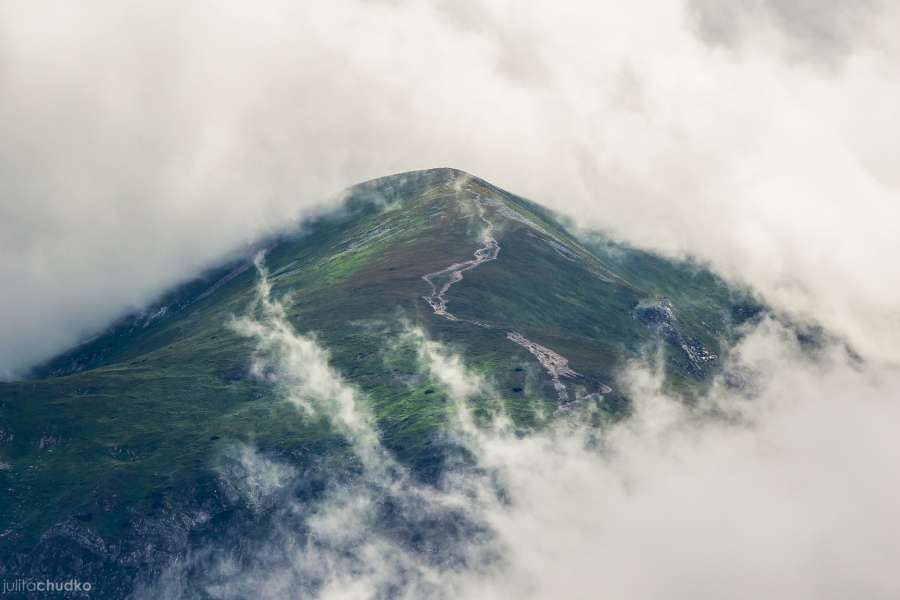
pixel 109 452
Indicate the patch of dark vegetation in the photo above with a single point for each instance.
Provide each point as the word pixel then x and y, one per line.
pixel 236 373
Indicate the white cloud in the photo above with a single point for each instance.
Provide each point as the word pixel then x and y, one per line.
pixel 257 479
pixel 786 492
pixel 300 366
pixel 794 500
pixel 357 540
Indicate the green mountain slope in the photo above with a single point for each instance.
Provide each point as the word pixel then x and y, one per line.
pixel 110 453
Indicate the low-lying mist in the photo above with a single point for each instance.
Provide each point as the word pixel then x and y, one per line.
pixel 782 487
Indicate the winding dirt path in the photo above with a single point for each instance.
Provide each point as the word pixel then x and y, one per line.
pixel 555 364
pixel 454 273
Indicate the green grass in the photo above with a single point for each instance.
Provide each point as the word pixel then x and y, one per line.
pixel 134 421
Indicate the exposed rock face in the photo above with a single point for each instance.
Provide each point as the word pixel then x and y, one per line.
pixel 49 442
pixel 660 315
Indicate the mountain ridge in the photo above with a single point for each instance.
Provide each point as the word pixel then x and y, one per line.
pixel 392 190
pixel 121 435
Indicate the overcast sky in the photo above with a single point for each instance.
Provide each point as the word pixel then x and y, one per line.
pixel 139 142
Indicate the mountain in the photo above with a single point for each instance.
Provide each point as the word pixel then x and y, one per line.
pixel 111 453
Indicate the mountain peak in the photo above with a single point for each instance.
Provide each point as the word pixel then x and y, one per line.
pixel 546 317
pixel 488 260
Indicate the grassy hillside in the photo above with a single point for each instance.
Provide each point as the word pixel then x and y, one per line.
pixel 108 452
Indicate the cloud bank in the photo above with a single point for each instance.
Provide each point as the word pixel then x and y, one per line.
pixel 141 142
pixel 793 499
pixel 783 489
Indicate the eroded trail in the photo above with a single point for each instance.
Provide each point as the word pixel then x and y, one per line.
pixel 556 365
pixel 454 273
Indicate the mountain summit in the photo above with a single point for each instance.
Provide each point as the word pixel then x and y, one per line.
pixel 111 452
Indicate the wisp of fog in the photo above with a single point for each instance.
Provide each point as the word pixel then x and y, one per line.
pixel 782 488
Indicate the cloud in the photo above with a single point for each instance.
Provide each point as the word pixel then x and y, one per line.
pixel 461 384
pixel 791 500
pixel 143 142
pixel 300 366
pixel 253 477
pixel 783 489
pixel 379 533
pixel 823 32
